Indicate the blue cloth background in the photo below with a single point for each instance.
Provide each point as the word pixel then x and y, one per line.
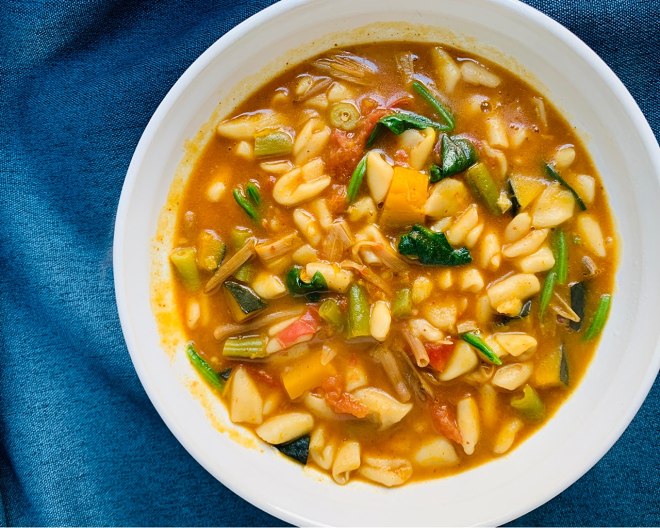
pixel 80 443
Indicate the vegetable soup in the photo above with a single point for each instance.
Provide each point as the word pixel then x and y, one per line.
pixel 393 262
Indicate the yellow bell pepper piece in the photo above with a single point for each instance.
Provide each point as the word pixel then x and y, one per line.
pixel 306 374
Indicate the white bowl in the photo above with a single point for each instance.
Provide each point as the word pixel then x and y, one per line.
pixel 624 150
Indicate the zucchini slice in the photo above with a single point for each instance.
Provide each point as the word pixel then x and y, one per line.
pixel 242 300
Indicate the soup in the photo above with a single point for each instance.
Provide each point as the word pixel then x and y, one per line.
pixel 393 262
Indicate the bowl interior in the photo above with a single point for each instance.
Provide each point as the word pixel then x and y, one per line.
pixel 623 149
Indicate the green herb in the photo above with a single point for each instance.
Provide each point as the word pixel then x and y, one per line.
pixel 246 203
pixel 458 154
pixel 203 368
pixel 482 347
pixel 297 449
pixel 546 292
pixel 431 248
pixel 600 316
pixel 252 347
pixel 434 103
pixel 435 174
pixel 402 304
pixel 298 287
pixel 560 250
pixel 552 173
pixel 529 405
pixel 356 180
pixel 402 120
pixel 358 312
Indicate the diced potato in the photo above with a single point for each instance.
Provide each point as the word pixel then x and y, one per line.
pixel 285 427
pixel 554 207
pixel 445 279
pixel 463 360
pixel 441 314
pixel 591 234
pixel 526 188
pixel 515 343
pixel 438 452
pixel 446 69
pixel 244 150
pixel 422 289
pixel 215 191
pixel 474 73
pixel 363 209
pixel 471 280
pixel 518 134
pixel 512 376
pixel 404 204
pixel 585 186
pixel 518 227
pixel 307 225
pixel 245 403
pixel 379 176
pixel 268 286
pixel 467 419
pixel 336 278
pixel 564 157
pixel 541 260
pixel 339 92
pixel 484 311
pixel 448 198
pixel 304 255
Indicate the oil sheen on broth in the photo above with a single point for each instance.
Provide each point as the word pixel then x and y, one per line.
pixel 393 262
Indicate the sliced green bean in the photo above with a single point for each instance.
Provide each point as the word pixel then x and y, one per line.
pixel 434 103
pixel 546 292
pixel 483 186
pixel 331 313
pixel 184 260
pixel 402 305
pixel 203 368
pixel 356 180
pixel 245 204
pixel 253 347
pixel 358 312
pixel 253 193
pixel 600 317
pixel 482 347
pixel 560 250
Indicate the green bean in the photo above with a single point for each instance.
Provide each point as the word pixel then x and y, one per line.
pixel 402 304
pixel 245 204
pixel 600 316
pixel 184 260
pixel 358 312
pixel 483 186
pixel 482 347
pixel 560 250
pixel 356 180
pixel 204 369
pixel 253 193
pixel 331 313
pixel 344 116
pixel 546 292
pixel 253 347
pixel 434 103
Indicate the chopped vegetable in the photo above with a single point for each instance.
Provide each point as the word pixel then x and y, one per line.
pixel 578 302
pixel 356 180
pixel 305 373
pixel 443 417
pixel 184 261
pixel 253 193
pixel 431 248
pixel 483 186
pixel 242 300
pixel 546 292
pixel 439 354
pixel 526 188
pixel 229 268
pixel 402 305
pixel 298 287
pixel 358 312
pixel 210 250
pixel 272 143
pixel 246 203
pixel 252 347
pixel 404 203
pixel 560 252
pixel 225 374
pixel 482 347
pixel 458 154
pixel 600 316
pixel 434 103
pixel 515 204
pixel 552 173
pixel 331 313
pixel 239 236
pixel 245 272
pixel 301 330
pixel 551 368
pixel 297 449
pixel 344 116
pixel 529 405
pixel 524 312
pixel 402 120
pixel 204 369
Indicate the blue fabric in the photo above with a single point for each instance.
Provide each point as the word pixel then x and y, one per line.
pixel 80 443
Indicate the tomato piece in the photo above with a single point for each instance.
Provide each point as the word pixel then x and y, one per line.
pixel 443 418
pixel 306 325
pixel 342 402
pixel 439 354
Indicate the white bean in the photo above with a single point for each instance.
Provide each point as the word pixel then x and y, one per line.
pixel 448 197
pixel 462 360
pixel 512 376
pixel 380 321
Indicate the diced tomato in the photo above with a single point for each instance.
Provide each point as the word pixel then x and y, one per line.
pixel 307 325
pixel 401 157
pixel 443 418
pixel 262 376
pixel 400 100
pixel 337 199
pixel 342 402
pixel 439 354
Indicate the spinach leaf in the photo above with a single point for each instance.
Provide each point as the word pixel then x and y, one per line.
pixel 431 248
pixel 458 154
pixel 402 120
pixel 299 287
pixel 297 449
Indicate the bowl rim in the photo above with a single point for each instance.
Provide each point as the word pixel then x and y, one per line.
pixel 605 74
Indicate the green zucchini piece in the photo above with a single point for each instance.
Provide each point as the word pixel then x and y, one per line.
pixel 184 260
pixel 529 405
pixel 486 352
pixel 225 374
pixel 578 301
pixel 331 313
pixel 483 187
pixel 211 250
pixel 239 236
pixel 563 367
pixel 402 305
pixel 358 312
pixel 344 116
pixel 524 312
pixel 552 173
pixel 273 143
pixel 297 449
pixel 204 369
pixel 551 369
pixel 242 300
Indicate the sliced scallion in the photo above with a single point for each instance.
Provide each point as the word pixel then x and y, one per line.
pixel 344 116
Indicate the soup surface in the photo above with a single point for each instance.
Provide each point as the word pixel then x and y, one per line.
pixel 393 262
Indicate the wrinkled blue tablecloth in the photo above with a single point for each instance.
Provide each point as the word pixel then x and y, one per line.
pixel 80 443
